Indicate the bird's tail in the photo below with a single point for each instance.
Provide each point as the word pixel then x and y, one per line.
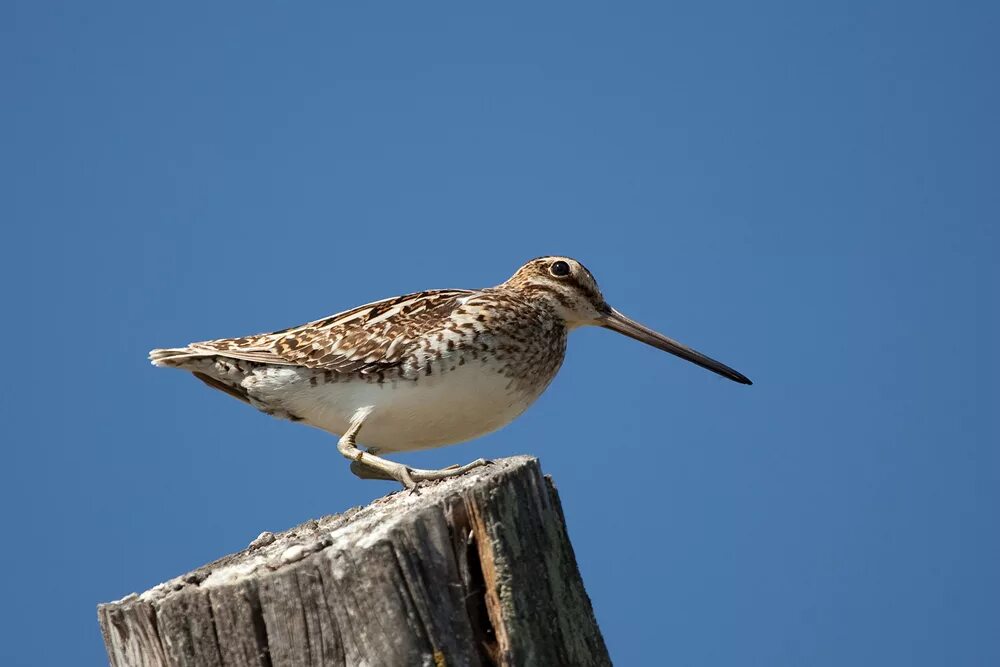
pixel 175 357
pixel 201 364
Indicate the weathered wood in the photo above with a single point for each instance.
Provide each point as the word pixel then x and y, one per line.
pixel 475 570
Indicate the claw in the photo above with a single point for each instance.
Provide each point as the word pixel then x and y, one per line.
pixel 406 479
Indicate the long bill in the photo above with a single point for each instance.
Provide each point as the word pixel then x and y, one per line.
pixel 625 325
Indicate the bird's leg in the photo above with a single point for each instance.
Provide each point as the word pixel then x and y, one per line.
pixel 367 465
pixel 364 472
pixel 375 467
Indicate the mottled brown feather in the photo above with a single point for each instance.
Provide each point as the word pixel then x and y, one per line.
pixel 344 343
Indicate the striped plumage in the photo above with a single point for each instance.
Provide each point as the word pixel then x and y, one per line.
pixel 420 370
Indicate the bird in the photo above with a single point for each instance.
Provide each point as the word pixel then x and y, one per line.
pixel 421 370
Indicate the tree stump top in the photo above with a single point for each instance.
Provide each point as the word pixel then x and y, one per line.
pixel 472 570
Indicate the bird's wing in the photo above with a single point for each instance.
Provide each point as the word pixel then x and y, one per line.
pixel 366 339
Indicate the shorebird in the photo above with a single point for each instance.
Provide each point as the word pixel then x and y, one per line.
pixel 421 370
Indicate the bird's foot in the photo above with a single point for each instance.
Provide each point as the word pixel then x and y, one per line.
pixel 409 477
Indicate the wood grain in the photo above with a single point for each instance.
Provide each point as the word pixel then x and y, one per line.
pixel 475 570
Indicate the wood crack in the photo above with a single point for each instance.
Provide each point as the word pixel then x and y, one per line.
pixel 473 570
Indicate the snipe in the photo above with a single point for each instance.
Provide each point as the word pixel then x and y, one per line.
pixel 421 370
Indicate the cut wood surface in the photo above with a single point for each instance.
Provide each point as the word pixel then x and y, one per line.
pixel 474 570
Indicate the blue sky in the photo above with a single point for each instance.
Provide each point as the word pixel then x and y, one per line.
pixel 805 191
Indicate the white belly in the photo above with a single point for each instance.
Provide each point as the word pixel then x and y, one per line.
pixel 440 409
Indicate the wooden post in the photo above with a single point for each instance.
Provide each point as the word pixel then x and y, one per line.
pixel 475 570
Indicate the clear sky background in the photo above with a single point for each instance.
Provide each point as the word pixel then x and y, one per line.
pixel 806 191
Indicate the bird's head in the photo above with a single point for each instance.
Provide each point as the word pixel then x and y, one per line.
pixel 566 285
pixel 571 290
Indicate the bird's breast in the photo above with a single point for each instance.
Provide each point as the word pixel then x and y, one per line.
pixel 444 399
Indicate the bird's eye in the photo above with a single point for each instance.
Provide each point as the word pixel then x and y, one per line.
pixel 559 269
